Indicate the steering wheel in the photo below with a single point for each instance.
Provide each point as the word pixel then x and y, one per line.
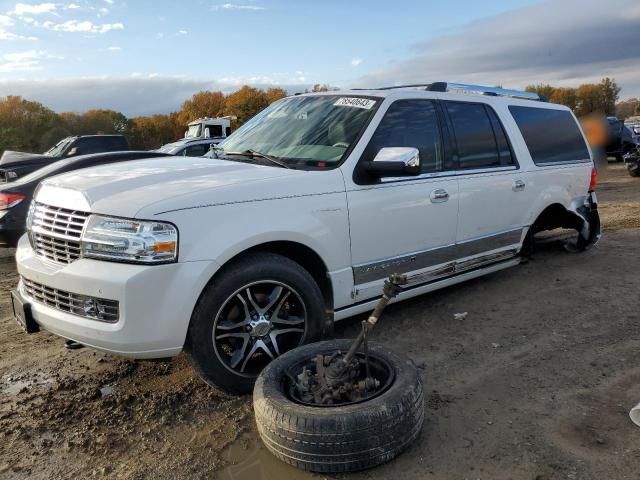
pixel 341 144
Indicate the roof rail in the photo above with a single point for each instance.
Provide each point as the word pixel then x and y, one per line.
pixel 465 88
pixel 494 91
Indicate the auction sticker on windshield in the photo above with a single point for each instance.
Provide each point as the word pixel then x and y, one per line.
pixel 357 102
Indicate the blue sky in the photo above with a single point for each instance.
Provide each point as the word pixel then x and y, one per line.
pixel 94 53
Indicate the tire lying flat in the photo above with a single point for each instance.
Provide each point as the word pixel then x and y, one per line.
pixel 345 438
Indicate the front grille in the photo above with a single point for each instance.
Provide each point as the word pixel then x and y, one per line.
pixel 55 232
pixel 82 305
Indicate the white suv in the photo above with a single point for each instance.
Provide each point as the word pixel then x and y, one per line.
pixel 310 205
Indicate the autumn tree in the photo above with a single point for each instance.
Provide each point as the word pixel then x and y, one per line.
pixel 202 104
pixel 628 108
pixel 585 99
pixel 23 124
pixel 245 103
pixel 148 133
pixel 274 94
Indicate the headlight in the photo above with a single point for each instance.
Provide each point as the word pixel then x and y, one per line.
pixel 124 240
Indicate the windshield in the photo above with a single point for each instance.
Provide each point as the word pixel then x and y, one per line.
pixel 58 148
pixel 194 131
pixel 315 130
pixel 168 148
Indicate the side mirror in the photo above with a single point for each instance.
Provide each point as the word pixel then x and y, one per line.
pixel 207 133
pixel 73 151
pixel 395 162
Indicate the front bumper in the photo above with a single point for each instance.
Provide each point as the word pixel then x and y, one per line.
pixel 155 302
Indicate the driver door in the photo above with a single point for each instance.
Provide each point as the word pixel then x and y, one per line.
pixel 408 224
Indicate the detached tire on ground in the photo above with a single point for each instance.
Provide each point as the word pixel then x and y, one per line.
pixel 338 438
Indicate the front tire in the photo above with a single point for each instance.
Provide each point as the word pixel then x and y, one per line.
pixel 255 309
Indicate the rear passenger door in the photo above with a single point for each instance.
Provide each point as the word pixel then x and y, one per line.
pixel 493 190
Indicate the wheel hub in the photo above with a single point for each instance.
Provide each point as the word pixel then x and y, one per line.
pixel 260 327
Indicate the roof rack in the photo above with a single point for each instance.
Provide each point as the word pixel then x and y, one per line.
pixel 465 88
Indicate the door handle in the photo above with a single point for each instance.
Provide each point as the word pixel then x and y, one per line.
pixel 518 186
pixel 438 196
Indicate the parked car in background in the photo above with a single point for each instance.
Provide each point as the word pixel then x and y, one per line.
pixel 309 207
pixel 15 197
pixel 632 161
pixel 17 164
pixel 189 147
pixel 621 139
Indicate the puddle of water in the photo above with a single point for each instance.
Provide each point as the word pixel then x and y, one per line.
pixel 249 459
pixel 11 386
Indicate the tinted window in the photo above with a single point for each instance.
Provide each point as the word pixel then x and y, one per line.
pixel 214 130
pixel 504 147
pixel 196 150
pixel 476 136
pixel 410 123
pixel 550 135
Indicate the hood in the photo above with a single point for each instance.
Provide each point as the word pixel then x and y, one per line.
pixel 10 157
pixel 144 188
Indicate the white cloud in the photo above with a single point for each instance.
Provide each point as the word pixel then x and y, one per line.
pixel 6 35
pixel 182 32
pixel 83 26
pixel 24 9
pixel 114 49
pixel 5 21
pixel 20 61
pixel 236 6
pixel 533 44
pixel 103 11
pixel 72 6
pixel 110 2
pixel 356 61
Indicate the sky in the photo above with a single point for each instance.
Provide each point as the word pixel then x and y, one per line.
pixel 142 57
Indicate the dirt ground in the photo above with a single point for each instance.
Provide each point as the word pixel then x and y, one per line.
pixel 535 383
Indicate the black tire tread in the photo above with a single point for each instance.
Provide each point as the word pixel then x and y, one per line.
pixel 340 439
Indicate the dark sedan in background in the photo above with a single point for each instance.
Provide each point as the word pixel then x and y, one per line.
pixel 15 197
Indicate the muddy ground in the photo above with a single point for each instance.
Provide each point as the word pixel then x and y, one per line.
pixel 535 383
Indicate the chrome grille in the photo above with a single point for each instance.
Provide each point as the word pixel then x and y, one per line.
pixel 55 232
pixel 82 305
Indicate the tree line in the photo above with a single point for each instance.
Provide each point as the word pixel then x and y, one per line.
pixel 30 126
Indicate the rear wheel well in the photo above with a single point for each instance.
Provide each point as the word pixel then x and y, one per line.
pixel 556 216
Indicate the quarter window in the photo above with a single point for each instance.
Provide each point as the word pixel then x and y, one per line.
pixel 410 123
pixel 551 135
pixel 479 136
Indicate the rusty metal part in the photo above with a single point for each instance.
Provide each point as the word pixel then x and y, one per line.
pixel 340 378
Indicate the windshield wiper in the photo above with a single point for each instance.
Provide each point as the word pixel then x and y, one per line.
pixel 255 154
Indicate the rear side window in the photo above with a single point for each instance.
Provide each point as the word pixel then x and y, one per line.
pixel 479 136
pixel 410 123
pixel 552 136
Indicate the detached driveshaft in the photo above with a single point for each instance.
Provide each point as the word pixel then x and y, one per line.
pixel 346 378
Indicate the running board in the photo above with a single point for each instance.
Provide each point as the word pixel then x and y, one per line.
pixel 426 288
